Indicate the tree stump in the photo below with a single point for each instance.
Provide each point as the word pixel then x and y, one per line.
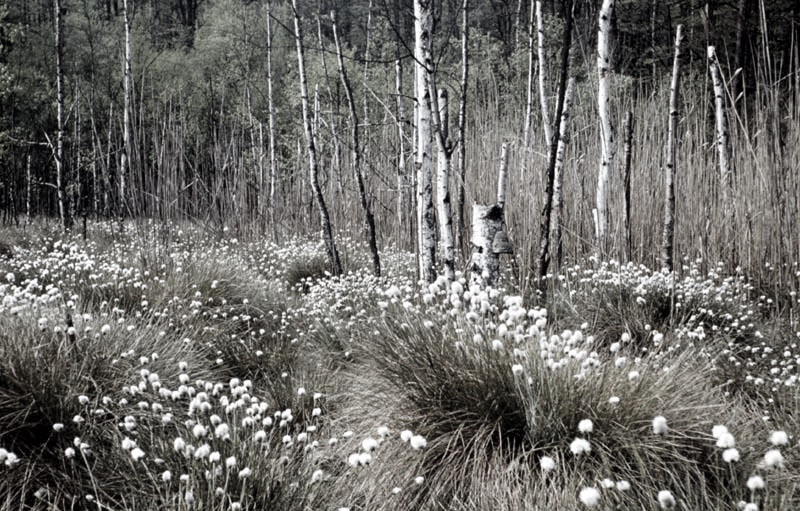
pixel 489 240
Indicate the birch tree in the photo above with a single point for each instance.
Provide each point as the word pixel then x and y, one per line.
pixel 426 221
pixel 668 238
pixel 61 177
pixel 529 88
pixel 271 123
pixel 547 209
pixel 722 143
pixel 462 128
pixel 125 157
pixel 626 181
pixel 558 177
pixel 441 123
pixel 401 137
pixel 355 154
pixel 606 133
pixel 548 130
pixel 327 231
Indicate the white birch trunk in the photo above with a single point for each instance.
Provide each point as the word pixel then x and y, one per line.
pixel 61 186
pixel 558 173
pixel 668 238
pixel 487 221
pixel 606 132
pixel 271 122
pixel 548 129
pixel 462 128
pixel 626 180
pixel 401 149
pixel 529 90
pixel 28 190
pixel 327 231
pixel 722 139
pixel 126 114
pixel 426 221
pixel 502 176
pixel 442 123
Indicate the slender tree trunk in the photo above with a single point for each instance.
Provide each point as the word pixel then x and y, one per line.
pixel 626 179
pixel 401 149
pixel 529 89
pixel 28 189
pixel 462 130
pixel 61 176
pixel 558 179
pixel 126 114
pixel 441 122
pixel 547 209
pixel 367 48
pixel 355 155
pixel 548 129
pixel 722 148
pixel 502 176
pixel 604 66
pixel 327 231
pixel 668 239
pixel 426 221
pixel 271 121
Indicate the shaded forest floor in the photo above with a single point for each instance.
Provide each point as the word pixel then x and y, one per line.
pixel 164 368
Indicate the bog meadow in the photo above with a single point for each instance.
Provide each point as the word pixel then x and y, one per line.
pixel 411 255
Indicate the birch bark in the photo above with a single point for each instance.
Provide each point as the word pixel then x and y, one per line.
pixel 327 231
pixel 606 132
pixel 668 238
pixel 558 178
pixel 125 157
pixel 61 178
pixel 722 143
pixel 548 129
pixel 426 221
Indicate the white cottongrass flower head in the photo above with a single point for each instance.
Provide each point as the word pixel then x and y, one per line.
pixel 547 463
pixel 660 425
pixel 369 444
pixel 726 441
pixel 406 435
pixel 245 473
pixel 773 459
pixel 590 496
pixel 623 485
pixel 585 426
pixel 718 430
pixel 750 506
pixel 418 442
pixel 665 499
pixel 755 482
pixel 137 454
pixel 730 455
pixel 778 438
pixel 580 446
pixel 517 369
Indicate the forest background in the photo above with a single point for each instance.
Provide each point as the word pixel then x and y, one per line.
pixel 201 148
